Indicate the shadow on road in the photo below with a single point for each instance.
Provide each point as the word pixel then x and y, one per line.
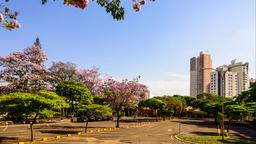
pixel 60 131
pixel 9 139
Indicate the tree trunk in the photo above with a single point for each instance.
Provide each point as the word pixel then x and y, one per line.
pixel 72 111
pixel 229 122
pixel 156 115
pixel 86 127
pixel 31 131
pixel 117 120
pixel 31 128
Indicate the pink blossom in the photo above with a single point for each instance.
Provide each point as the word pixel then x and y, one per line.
pixel 1 17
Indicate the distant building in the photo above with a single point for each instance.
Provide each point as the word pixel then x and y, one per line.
pixel 214 86
pixel 200 73
pixel 242 70
pixel 224 82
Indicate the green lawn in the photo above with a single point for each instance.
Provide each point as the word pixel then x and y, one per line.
pixel 213 140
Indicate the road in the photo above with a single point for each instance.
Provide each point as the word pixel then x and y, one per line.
pixel 153 133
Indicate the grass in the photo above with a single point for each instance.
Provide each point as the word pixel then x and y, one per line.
pixel 213 140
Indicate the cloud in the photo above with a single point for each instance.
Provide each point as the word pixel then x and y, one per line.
pixel 179 76
pixel 173 84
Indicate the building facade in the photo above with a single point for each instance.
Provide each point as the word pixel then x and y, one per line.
pixel 200 73
pixel 242 70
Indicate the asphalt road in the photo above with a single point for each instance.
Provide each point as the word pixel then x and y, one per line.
pixel 153 133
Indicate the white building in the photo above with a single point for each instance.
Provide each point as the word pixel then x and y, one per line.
pixel 242 70
pixel 224 82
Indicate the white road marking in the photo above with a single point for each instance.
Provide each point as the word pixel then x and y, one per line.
pixel 172 137
pixel 5 128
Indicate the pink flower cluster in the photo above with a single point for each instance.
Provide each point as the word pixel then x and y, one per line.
pixel 91 78
pixel 138 3
pixel 120 94
pixel 25 70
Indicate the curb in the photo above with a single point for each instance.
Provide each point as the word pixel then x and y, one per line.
pixel 88 132
pixel 176 136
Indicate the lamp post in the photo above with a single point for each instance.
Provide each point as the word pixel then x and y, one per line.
pixel 222 71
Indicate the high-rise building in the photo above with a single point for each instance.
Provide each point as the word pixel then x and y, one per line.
pixel 200 73
pixel 214 86
pixel 242 70
pixel 229 81
pixel 224 82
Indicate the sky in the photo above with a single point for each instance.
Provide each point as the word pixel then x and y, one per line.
pixel 155 43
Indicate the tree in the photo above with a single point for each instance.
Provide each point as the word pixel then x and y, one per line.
pixel 247 96
pixel 190 101
pixel 93 110
pixel 63 71
pixel 125 94
pixel 234 112
pixel 76 93
pixel 154 104
pixel 25 71
pixel 8 17
pixel 31 106
pixel 91 78
pixel 174 104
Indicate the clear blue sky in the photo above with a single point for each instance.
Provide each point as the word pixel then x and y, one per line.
pixel 155 43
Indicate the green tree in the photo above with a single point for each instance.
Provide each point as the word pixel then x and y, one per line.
pixel 174 104
pixel 31 106
pixel 247 96
pixel 93 110
pixel 154 104
pixel 235 112
pixel 75 93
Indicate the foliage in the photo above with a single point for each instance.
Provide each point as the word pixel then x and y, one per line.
pixel 119 95
pixel 236 111
pixel 247 96
pixel 91 78
pixel 174 104
pixel 212 139
pixel 152 103
pixel 27 106
pixel 212 107
pixel 190 101
pixel 75 92
pixel 94 110
pixel 25 71
pixel 8 18
pixel 62 71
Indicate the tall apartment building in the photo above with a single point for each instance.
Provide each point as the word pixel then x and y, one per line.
pixel 231 80
pixel 200 73
pixel 224 82
pixel 242 70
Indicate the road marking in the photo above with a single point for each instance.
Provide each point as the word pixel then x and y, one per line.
pixel 5 128
pixel 172 137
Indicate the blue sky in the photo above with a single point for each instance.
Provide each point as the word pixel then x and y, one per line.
pixel 155 43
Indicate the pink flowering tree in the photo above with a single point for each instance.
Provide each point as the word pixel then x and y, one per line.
pixel 121 94
pixel 114 7
pixel 91 78
pixel 25 71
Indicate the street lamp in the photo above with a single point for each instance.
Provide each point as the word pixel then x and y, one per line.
pixel 222 71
